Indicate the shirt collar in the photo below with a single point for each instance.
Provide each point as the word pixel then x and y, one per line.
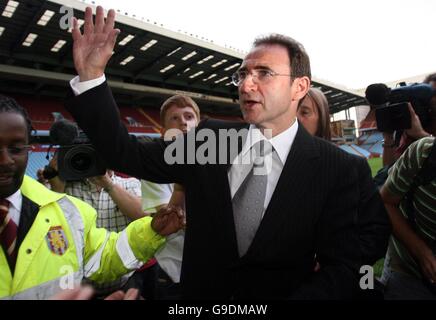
pixel 282 142
pixel 16 200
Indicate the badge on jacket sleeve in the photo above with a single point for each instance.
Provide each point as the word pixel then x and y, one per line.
pixel 57 240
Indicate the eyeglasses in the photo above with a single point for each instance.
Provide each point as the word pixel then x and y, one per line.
pixel 17 150
pixel 258 76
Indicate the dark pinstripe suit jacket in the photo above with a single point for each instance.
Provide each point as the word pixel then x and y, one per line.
pixel 313 211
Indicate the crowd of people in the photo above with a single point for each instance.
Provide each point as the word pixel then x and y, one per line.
pixel 288 216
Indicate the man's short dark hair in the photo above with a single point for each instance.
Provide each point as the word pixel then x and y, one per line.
pixel 300 62
pixel 8 104
pixel 431 77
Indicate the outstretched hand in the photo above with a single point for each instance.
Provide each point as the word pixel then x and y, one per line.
pixel 131 294
pixel 86 293
pixel 168 220
pixel 93 49
pixel 78 293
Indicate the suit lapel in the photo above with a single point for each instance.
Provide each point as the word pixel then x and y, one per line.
pixel 295 175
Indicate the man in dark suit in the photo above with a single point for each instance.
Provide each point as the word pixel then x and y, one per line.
pixel 248 235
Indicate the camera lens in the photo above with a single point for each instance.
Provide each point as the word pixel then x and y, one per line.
pixel 80 159
pixel 81 162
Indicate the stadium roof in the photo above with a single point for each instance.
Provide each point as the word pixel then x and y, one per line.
pixel 149 63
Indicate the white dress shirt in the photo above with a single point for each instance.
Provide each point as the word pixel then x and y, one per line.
pixel 80 87
pixel 16 201
pixel 281 143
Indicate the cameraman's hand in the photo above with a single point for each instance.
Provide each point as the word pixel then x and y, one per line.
pixel 103 181
pixel 168 220
pixel 40 177
pixel 416 131
pixel 54 161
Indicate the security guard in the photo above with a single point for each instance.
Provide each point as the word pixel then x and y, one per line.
pixel 49 240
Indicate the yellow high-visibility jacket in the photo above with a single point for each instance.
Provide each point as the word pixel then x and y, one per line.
pixel 64 245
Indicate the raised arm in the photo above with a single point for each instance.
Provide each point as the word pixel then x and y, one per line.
pixel 96 112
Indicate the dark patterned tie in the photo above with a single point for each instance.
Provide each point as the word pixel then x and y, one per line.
pixel 8 233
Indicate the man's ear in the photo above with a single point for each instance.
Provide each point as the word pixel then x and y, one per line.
pixel 302 86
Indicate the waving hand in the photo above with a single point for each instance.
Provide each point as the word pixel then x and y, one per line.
pixel 93 49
